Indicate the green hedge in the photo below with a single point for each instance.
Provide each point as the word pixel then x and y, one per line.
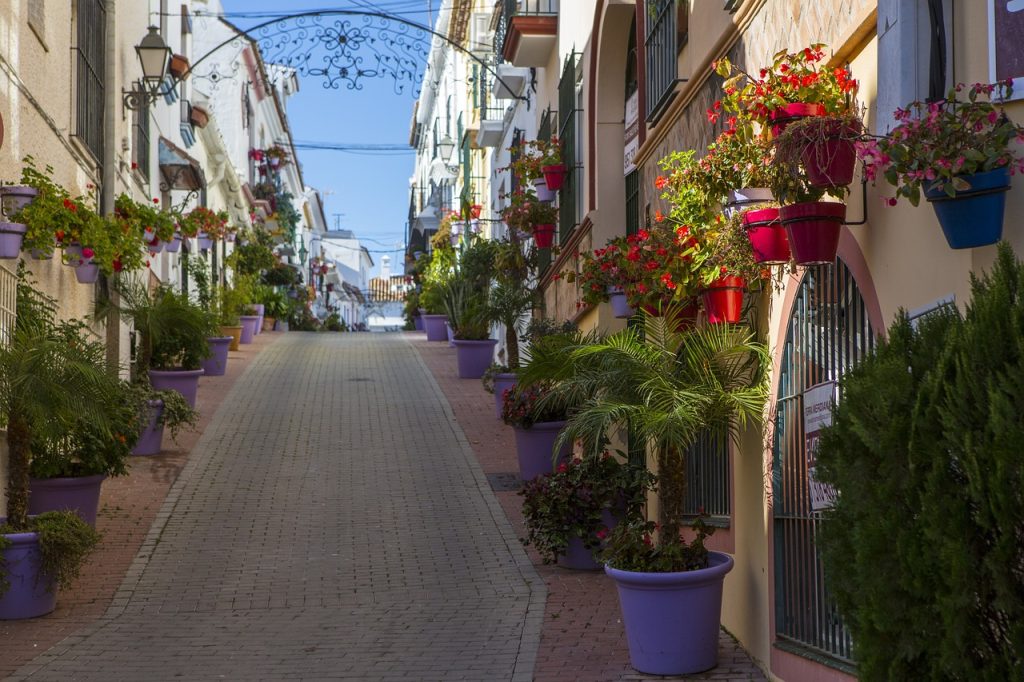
pixel 925 547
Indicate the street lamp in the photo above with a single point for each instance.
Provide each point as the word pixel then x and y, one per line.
pixel 445 148
pixel 153 54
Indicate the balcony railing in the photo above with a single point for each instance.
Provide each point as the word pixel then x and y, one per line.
pixel 543 12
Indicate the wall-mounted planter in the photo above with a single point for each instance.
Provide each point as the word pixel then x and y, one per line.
pixel 723 300
pixel 544 236
pixel 974 217
pixel 199 116
pixel 179 67
pixel 813 230
pixel 11 237
pixel 767 236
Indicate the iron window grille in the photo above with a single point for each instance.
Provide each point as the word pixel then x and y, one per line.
pixel 662 49
pixel 827 334
pixel 569 195
pixel 707 479
pixel 89 55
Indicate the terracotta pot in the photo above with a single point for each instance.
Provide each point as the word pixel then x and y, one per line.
pixel 199 117
pixel 235 332
pixel 179 67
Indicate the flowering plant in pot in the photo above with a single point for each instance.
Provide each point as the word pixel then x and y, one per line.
pixel 531 158
pixel 47 387
pixel 724 263
pixel 528 214
pixel 157 226
pixel 825 146
pixel 277 156
pixel 203 223
pixel 601 273
pixel 536 427
pixel 796 85
pixel 570 511
pixel 958 154
pixel 671 387
pixel 48 217
pixel 735 170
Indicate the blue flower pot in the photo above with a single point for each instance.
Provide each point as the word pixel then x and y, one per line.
pixel 974 217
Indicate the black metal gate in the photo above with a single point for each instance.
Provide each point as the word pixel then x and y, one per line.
pixel 828 332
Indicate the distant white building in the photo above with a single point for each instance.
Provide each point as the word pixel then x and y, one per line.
pixel 350 277
pixel 386 299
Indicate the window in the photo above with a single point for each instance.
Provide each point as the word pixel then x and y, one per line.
pixel 682 24
pixel 662 51
pixel 707 479
pixel 828 333
pixel 89 54
pixel 569 133
pixel 140 135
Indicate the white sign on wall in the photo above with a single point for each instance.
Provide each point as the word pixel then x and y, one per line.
pixel 818 402
pixel 632 123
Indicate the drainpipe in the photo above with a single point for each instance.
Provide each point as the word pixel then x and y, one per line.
pixel 108 174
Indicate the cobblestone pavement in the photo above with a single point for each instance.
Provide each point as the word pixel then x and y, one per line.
pixel 331 523
pixel 582 637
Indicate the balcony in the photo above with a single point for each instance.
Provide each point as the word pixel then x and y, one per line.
pixel 530 31
pixel 510 81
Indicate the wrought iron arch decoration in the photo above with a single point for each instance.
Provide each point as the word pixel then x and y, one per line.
pixel 327 43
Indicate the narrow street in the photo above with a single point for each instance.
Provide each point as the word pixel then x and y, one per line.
pixel 331 522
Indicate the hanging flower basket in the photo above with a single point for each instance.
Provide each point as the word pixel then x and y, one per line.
pixel 204 241
pixel 620 304
pixel 544 236
pixel 88 273
pixel 829 154
pixel 554 176
pixel 974 217
pixel 544 192
pixel 813 230
pixel 723 300
pixel 174 245
pixel 13 198
pixel 783 116
pixel 767 236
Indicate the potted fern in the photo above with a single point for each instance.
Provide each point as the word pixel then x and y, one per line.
pixel 670 386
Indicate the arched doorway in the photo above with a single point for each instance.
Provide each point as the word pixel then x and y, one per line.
pixel 829 330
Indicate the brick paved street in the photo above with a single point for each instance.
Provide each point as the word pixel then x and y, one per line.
pixel 331 522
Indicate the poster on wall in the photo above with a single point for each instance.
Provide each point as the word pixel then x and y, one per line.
pixel 1006 44
pixel 818 402
pixel 632 123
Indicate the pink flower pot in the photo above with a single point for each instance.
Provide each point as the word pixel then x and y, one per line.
pixel 544 236
pixel 782 117
pixel 767 236
pixel 813 230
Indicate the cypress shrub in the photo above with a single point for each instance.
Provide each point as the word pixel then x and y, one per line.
pixel 924 549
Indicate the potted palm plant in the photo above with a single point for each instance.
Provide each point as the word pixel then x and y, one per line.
pixel 670 386
pixel 173 335
pixel 47 388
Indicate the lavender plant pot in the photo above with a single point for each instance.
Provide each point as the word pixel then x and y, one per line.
pixel 13 198
pixel 672 619
pixel 502 382
pixel 417 322
pixel 205 243
pixel 249 323
pixel 151 440
pixel 11 236
pixel 88 273
pixel 535 447
pixel 577 557
pixel 620 304
pixel 259 309
pixel 434 326
pixel 217 364
pixel 184 381
pixel 29 595
pixel 474 357
pixel 174 245
pixel 450 333
pixel 80 495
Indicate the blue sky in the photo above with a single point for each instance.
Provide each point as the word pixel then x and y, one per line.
pixel 369 191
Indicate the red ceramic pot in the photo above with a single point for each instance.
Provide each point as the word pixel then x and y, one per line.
pixel 767 236
pixel 723 300
pixel 782 117
pixel 829 163
pixel 554 176
pixel 544 236
pixel 813 230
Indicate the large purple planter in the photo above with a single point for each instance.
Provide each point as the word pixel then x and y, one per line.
pixel 577 556
pixel 473 357
pixel 450 333
pixel 502 382
pixel 26 597
pixel 258 309
pixel 534 449
pixel 80 495
pixel 434 325
pixel 217 364
pixel 417 322
pixel 184 381
pixel 672 619
pixel 151 440
pixel 249 323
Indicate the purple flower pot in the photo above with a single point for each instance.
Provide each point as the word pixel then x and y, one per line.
pixel 473 357
pixel 29 594
pixel 184 381
pixel 249 323
pixel 502 382
pixel 434 326
pixel 619 303
pixel 151 440
pixel 11 236
pixel 258 309
pixel 450 333
pixel 80 495
pixel 535 447
pixel 577 556
pixel 13 198
pixel 417 322
pixel 88 273
pixel 672 619
pixel 174 245
pixel 217 364
pixel 204 242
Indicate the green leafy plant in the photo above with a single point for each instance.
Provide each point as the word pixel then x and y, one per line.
pixel 522 408
pixel 202 220
pixel 532 155
pixel 51 215
pixel 65 542
pixel 669 385
pixel 577 500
